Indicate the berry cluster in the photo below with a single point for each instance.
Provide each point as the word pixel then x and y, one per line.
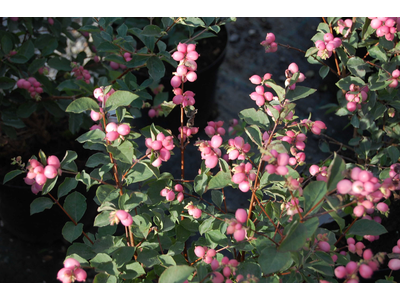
pixel 170 194
pixel 237 148
pixel 365 268
pixel 38 174
pixel 394 80
pixel 316 127
pixel 184 98
pixel 114 131
pixel 259 95
pixel 384 26
pixel 160 148
pixel 33 86
pixel 155 111
pixel 290 71
pixel 71 272
pixel 120 216
pixel 226 266
pixel 193 211
pixel 187 132
pixel 98 93
pixel 187 55
pixel 213 128
pixel 277 162
pixel 115 66
pixel 342 25
pixel 292 207
pixel 235 226
pixel 243 175
pixel 326 46
pixel 269 43
pixel 321 173
pixel 368 192
pixel 394 263
pixel 210 151
pixel 80 73
pixel 43 70
pixel 356 96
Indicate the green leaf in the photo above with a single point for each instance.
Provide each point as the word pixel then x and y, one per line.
pixel 83 104
pixel 75 205
pixel 71 232
pixel 255 117
pixel 216 236
pixel 323 71
pixel 217 197
pixel 255 134
pixel 367 227
pixel 298 233
pixel 378 52
pixel 94 136
pixel 280 91
pixel 68 159
pixel 176 274
pixel 133 200
pixel 271 260
pixel 25 52
pixel 200 183
pixel 123 255
pixel 123 152
pixel 6 83
pixel 140 172
pixel 60 64
pixel 40 204
pixel 120 98
pixel 299 92
pixel 313 193
pixel 156 68
pixel 133 270
pixel 335 171
pixel 107 193
pixel 357 66
pixel 10 175
pixel 151 30
pixel 166 260
pixel 97 159
pixel 49 185
pixel 107 46
pixel 222 178
pixel 345 83
pixel 68 185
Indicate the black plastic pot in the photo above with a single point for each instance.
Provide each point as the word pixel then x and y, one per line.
pixel 212 53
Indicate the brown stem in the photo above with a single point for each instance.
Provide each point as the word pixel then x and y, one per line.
pixel 182 146
pixel 68 215
pixel 344 233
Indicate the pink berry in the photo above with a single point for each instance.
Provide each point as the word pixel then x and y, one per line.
pixel 50 172
pixel 123 129
pixel 241 215
pixel 214 264
pixel 324 246
pixel 80 275
pixel 314 169
pixel 394 264
pixel 199 251
pixel 71 263
pixel 244 186
pixel 217 277
pixel 65 275
pixel 340 272
pixel 365 271
pixel 344 186
pixel 382 207
pixel 112 136
pixel 293 68
pixel 196 213
pixel 216 141
pixel 211 253
pixel 239 235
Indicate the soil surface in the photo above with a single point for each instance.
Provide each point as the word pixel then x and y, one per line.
pixel 22 261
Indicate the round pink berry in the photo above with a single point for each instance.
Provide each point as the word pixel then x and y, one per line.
pixel 124 129
pixel 199 251
pixel 71 263
pixel 241 215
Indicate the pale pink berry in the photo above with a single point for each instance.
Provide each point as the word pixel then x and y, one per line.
pixel 71 263
pixel 382 207
pixel 324 246
pixel 293 68
pixel 365 271
pixel 359 211
pixel 124 129
pixel 95 116
pixel 50 172
pixel 128 221
pixel 239 235
pixel 340 272
pixel 211 161
pixel 394 264
pixel 199 251
pixel 344 186
pixel 241 215
pixel 40 179
pixel 244 186
pixel 217 277
pixel 112 136
pixel 216 141
pixel 196 213
pixel 211 253
pixel 65 275
pixel 214 264
pixel 80 275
